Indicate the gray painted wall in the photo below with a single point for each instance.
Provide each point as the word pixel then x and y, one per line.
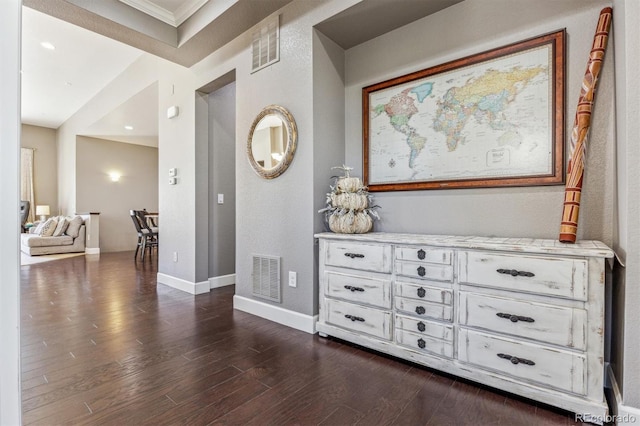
pixel 222 180
pixel 328 128
pixel 508 212
pixel 137 188
pixel 627 233
pixel 45 164
pixel 276 217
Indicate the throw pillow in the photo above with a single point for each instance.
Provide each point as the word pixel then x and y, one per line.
pixel 37 229
pixel 48 227
pixel 73 230
pixel 63 223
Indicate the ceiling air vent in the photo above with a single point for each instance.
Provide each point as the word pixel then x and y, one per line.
pixel 266 277
pixel 265 44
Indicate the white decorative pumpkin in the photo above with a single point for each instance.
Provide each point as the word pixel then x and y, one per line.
pixel 349 184
pixel 350 200
pixel 351 223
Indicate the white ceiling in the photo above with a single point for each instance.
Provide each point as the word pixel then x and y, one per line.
pixel 57 83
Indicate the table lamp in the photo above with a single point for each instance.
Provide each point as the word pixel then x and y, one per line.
pixel 43 212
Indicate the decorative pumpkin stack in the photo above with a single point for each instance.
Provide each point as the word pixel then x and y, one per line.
pixel 349 209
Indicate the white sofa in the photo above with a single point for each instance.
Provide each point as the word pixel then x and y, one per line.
pixel 34 244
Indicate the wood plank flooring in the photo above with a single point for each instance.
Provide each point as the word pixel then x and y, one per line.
pixel 102 344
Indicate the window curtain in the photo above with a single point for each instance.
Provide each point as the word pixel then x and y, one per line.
pixel 26 180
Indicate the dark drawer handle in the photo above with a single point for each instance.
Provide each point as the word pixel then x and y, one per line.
pixel 515 318
pixel 420 310
pixel 352 288
pixel 421 271
pixel 354 318
pixel 516 360
pixel 421 326
pixel 421 254
pixel 354 255
pixel 515 273
pixel 422 292
pixel 421 343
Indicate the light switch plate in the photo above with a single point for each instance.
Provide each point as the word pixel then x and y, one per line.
pixel 220 198
pixel 172 181
pixel 293 279
pixel 173 171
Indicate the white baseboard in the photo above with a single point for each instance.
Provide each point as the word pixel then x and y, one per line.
pixel 306 323
pixel 93 250
pixel 183 285
pixel 623 414
pixel 222 281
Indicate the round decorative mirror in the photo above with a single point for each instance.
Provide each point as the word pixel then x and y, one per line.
pixel 272 141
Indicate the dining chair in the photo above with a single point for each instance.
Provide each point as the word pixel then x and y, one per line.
pixel 147 236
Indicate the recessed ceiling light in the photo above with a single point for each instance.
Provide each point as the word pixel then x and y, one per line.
pixel 68 83
pixel 128 127
pixel 47 45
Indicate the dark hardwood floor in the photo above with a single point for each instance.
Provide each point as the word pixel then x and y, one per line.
pixel 102 344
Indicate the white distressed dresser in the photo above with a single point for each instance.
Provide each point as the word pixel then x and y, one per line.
pixel 522 315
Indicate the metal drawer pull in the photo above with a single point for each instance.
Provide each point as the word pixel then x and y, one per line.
pixel 516 360
pixel 420 310
pixel 515 318
pixel 352 288
pixel 354 318
pixel 354 255
pixel 421 326
pixel 515 273
pixel 421 292
pixel 421 271
pixel 421 254
pixel 421 343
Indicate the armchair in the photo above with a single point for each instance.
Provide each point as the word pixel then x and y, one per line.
pixel 25 206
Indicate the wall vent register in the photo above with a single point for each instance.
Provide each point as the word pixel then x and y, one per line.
pixel 265 277
pixel 522 315
pixel 265 44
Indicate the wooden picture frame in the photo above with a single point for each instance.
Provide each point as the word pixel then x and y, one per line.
pixel 487 120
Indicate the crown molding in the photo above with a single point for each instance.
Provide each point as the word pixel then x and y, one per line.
pixel 182 13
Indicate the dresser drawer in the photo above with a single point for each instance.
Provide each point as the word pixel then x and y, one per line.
pixel 366 257
pixel 369 291
pixel 424 309
pixel 556 368
pixel 424 327
pixel 547 323
pixel 424 343
pixel 424 254
pixel 423 292
pixel 562 277
pixel 428 271
pixel 361 319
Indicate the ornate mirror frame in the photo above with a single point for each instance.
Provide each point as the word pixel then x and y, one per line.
pixel 292 139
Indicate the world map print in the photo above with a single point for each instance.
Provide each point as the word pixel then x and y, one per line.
pixel 487 120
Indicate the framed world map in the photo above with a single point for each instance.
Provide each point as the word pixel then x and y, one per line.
pixel 487 120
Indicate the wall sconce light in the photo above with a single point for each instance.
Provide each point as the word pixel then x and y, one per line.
pixel 43 211
pixel 114 176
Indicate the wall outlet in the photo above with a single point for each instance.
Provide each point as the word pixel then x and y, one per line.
pixel 220 198
pixel 175 256
pixel 293 279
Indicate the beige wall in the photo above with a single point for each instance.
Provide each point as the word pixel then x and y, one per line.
pixel 45 164
pixel 137 188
